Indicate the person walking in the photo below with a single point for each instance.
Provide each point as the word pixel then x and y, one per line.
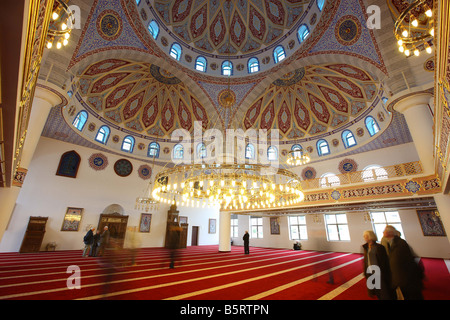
pixel 88 242
pixel 406 274
pixel 375 255
pixel 246 239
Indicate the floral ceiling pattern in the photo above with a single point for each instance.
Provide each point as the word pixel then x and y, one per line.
pixel 311 100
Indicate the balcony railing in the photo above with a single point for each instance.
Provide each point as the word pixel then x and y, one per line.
pixel 365 176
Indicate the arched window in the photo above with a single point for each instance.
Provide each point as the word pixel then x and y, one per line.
pixel 102 134
pixel 138 2
pixel 372 126
pixel 80 120
pixel 178 152
pixel 278 54
pixel 374 172
pixel 297 150
pixel 201 151
pixel 200 64
pixel 69 164
pixel 153 28
pixel 175 51
pixel 329 180
pixel 227 68
pixel 348 138
pixel 153 150
pixel 303 33
pixel 128 144
pixel 320 4
pixel 253 65
pixel 249 151
pixel 272 153
pixel 322 147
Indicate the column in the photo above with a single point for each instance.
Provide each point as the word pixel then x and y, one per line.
pixel 443 205
pixel 43 101
pixel 420 123
pixel 225 232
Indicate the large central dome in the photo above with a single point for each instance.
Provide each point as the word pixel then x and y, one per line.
pixel 234 30
pixel 236 27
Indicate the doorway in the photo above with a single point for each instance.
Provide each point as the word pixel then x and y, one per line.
pixel 117 226
pixel 194 240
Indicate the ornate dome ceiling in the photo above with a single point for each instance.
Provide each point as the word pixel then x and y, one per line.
pixel 140 97
pixel 209 25
pixel 312 100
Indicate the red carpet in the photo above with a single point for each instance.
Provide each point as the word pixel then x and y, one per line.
pixel 200 273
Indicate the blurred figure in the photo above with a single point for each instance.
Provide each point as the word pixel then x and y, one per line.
pixel 174 243
pixel 104 241
pixel 133 244
pixel 95 244
pixel 297 246
pixel 88 241
pixel 375 255
pixel 246 239
pixel 110 262
pixel 406 274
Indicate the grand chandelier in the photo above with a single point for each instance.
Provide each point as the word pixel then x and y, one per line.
pixel 414 28
pixel 61 25
pixel 228 186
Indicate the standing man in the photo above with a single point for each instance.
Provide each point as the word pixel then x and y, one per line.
pixel 246 239
pixel 104 240
pixel 406 274
pixel 88 242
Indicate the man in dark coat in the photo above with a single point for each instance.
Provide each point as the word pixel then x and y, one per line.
pixel 406 273
pixel 246 239
pixel 88 242
pixel 375 255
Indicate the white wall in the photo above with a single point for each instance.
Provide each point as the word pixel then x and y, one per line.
pixel 434 247
pixel 46 194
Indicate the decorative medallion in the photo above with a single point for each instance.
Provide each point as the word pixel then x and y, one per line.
pixel 98 161
pixel 227 98
pixel 115 138
pixel 348 165
pixel 360 132
pixel 336 195
pixel 163 76
pixel 290 78
pixel 429 65
pixel 412 186
pixel 308 173
pixel 91 126
pixel 109 25
pixel 141 146
pixel 145 172
pixel 335 142
pixel 123 167
pixel 348 30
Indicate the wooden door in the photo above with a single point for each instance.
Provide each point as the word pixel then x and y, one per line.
pixel 117 226
pixel 32 240
pixel 194 240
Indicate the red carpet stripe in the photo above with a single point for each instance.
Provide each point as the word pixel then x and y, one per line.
pixel 201 273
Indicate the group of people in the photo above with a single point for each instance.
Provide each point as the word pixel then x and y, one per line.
pixel 400 276
pixel 95 244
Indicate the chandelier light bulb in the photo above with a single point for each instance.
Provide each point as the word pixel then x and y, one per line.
pixel 432 32
pixel 49 45
pixel 428 48
pixel 58 45
pixel 416 52
pixel 55 16
pixel 400 42
pixel 63 26
pixel 405 33
pixel 407 52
